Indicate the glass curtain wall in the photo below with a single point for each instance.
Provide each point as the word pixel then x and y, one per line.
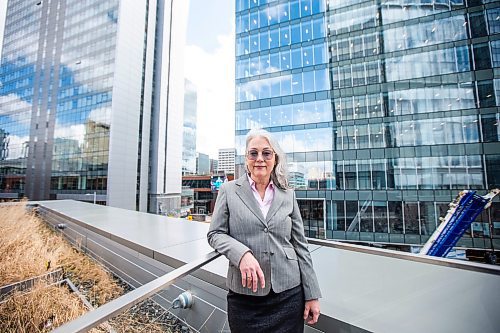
pixel 55 96
pixel 386 109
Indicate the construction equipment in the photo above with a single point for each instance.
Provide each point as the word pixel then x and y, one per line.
pixel 463 211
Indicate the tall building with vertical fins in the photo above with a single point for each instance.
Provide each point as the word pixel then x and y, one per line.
pixel 189 131
pixel 91 101
pixel 386 110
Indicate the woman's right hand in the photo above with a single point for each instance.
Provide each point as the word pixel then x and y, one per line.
pixel 251 273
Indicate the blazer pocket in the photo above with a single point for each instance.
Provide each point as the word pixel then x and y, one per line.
pixel 290 253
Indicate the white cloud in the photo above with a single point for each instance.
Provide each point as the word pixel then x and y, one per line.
pixel 75 132
pixel 213 75
pixel 10 106
pixel 101 115
pixel 11 103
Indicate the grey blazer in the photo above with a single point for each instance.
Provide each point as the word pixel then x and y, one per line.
pixel 277 241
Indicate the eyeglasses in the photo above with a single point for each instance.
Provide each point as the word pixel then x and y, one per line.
pixel 266 155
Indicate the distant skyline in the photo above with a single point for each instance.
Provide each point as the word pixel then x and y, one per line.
pixel 209 64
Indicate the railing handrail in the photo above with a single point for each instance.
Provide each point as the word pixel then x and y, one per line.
pixel 109 310
pixel 470 266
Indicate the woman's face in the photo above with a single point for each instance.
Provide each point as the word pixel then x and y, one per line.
pixel 260 158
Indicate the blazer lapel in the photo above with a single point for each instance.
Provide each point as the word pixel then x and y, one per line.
pixel 245 193
pixel 279 197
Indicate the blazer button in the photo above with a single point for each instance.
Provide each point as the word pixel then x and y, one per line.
pixel 265 230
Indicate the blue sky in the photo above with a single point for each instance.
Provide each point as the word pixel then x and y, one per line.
pixel 207 20
pixel 209 64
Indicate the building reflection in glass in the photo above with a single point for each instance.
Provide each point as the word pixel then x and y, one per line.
pixel 385 110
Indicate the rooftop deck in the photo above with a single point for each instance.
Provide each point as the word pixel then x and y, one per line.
pixel 364 289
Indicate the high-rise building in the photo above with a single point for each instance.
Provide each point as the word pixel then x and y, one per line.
pixel 226 160
pixel 386 110
pixel 214 166
pixel 189 141
pixel 202 164
pixel 89 97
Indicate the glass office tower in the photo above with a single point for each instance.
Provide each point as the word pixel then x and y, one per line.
pixel 189 131
pixel 386 109
pixel 84 99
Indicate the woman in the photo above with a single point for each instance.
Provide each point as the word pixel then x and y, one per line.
pixel 257 225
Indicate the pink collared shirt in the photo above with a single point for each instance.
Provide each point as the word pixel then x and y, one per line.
pixel 264 204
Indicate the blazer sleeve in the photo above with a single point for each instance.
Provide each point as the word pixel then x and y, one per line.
pixel 219 235
pixel 299 242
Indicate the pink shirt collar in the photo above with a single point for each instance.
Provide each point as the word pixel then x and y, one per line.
pixel 264 204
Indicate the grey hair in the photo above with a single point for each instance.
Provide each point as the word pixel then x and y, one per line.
pixel 280 172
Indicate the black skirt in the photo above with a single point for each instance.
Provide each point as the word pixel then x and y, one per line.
pixel 274 313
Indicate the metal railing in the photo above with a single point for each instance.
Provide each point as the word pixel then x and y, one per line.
pixel 123 303
pixel 465 265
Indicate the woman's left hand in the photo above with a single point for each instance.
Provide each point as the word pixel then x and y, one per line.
pixel 311 311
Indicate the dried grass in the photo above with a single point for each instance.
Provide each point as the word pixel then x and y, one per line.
pixel 29 248
pixel 40 310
